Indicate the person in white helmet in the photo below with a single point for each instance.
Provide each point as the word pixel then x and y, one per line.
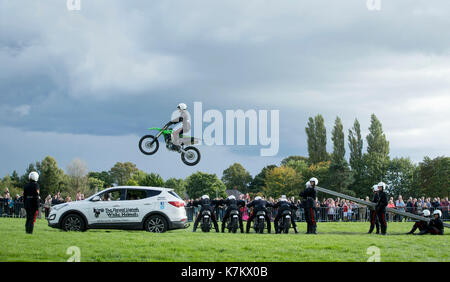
pixel 435 226
pixel 184 118
pixel 31 201
pixel 232 204
pixel 258 204
pixel 283 205
pixel 380 207
pixel 309 205
pixel 374 222
pixel 421 225
pixel 206 204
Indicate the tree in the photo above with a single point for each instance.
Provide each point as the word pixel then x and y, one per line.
pixel 339 169
pixel 282 180
pixel 236 177
pixel 50 176
pixel 77 171
pixel 95 184
pixel 200 183
pixel 258 182
pixel 24 178
pixel 400 177
pixel 377 158
pixel 433 177
pixel 317 139
pixel 103 176
pixel 355 144
pixel 122 172
pixel 152 180
pixel 179 185
pixel 294 158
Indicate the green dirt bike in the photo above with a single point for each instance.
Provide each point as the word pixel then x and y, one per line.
pixel 149 145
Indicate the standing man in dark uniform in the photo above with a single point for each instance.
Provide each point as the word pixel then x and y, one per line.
pixel 206 204
pixel 380 207
pixel 373 215
pixel 232 204
pixel 284 205
pixel 258 205
pixel 31 201
pixel 309 205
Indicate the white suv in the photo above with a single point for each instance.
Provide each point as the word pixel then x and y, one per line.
pixel 153 209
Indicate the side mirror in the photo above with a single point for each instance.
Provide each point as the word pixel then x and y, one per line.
pixel 95 199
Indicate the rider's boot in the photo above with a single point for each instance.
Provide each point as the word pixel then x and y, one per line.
pixel 223 227
pixel 295 230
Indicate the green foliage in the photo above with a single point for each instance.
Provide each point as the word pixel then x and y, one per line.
pixel 179 185
pixel 51 177
pixel 152 180
pixel 122 172
pixel 236 177
pixel 339 170
pixel 286 160
pixel 433 177
pixel 400 176
pixel 104 176
pixel 95 184
pixel 282 180
pixel 200 183
pixel 377 158
pixel 317 140
pixel 355 144
pixel 258 182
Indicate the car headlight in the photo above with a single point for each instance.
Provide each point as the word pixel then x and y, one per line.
pixel 58 207
pixel 52 217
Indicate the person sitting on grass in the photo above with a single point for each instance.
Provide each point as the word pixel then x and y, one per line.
pixel 435 226
pixel 421 225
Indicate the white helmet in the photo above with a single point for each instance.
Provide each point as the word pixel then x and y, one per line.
pixel 308 184
pixel 283 198
pixel 257 198
pixel 315 180
pixel 375 188
pixel 182 106
pixel 33 176
pixel 382 184
pixel 231 197
pixel 426 213
pixel 205 197
pixel 437 212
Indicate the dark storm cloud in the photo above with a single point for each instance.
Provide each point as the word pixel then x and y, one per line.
pixel 118 67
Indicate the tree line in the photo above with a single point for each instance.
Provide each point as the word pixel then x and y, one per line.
pixel 354 177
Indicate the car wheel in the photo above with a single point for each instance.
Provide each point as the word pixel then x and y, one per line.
pixel 156 224
pixel 73 222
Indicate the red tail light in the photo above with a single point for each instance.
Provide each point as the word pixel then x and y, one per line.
pixel 177 204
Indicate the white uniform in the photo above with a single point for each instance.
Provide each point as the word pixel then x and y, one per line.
pixel 184 117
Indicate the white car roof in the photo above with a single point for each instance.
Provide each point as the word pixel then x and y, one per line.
pixel 139 188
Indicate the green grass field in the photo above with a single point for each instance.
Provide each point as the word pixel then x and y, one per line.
pixel 335 242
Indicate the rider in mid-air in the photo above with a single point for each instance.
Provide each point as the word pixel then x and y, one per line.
pixel 184 118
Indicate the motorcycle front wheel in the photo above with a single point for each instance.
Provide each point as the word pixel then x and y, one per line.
pixel 148 145
pixel 191 157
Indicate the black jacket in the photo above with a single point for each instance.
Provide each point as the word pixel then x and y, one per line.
pixel 259 205
pixel 438 224
pixel 31 195
pixel 309 196
pixel 206 204
pixel 382 201
pixel 284 205
pixel 234 204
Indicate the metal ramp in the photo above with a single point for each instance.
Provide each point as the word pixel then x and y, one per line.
pixel 370 204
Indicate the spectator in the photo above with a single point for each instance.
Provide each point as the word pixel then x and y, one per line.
pixel 78 196
pixel 400 205
pixel 392 206
pixel 68 199
pixel 445 207
pixel 47 205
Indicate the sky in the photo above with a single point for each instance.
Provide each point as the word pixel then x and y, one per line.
pixel 88 83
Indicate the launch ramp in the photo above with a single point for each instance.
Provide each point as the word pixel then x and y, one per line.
pixel 370 204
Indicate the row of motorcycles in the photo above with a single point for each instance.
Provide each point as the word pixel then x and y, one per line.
pixel 259 222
